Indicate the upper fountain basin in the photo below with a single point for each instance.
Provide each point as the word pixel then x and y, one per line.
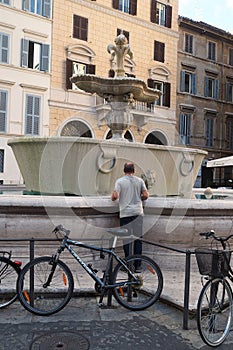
pixel 116 87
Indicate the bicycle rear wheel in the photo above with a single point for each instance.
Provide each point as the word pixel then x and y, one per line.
pixel 8 277
pixel 214 312
pixel 146 292
pixel 39 296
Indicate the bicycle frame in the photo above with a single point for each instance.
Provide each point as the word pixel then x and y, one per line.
pixel 67 244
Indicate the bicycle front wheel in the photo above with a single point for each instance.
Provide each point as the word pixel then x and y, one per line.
pixel 148 289
pixel 8 277
pixel 44 287
pixel 214 312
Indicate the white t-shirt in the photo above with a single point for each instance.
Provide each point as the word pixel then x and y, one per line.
pixel 130 188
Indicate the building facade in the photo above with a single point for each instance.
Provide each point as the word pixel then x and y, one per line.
pixel 205 94
pixel 25 61
pixel 82 30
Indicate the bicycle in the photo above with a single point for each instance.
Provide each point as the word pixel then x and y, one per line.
pixel 45 285
pixel 9 271
pixel 214 307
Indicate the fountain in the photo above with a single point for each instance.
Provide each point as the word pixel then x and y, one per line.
pixel 87 169
pixel 167 170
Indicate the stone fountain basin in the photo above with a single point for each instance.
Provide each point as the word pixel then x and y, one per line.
pixel 116 87
pixel 83 166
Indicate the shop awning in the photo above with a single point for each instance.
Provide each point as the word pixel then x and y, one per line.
pixel 220 162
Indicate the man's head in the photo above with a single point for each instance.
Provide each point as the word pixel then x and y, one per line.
pixel 129 168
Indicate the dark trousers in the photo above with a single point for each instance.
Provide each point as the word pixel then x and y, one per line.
pixel 134 226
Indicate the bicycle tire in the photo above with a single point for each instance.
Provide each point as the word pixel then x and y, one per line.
pixel 147 292
pixel 214 312
pixel 37 298
pixel 8 276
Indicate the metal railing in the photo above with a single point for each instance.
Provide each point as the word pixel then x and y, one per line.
pixel 187 252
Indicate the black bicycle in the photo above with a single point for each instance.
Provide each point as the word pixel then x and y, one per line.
pixel 9 271
pixel 46 284
pixel 214 308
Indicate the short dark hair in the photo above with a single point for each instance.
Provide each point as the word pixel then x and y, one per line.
pixel 128 168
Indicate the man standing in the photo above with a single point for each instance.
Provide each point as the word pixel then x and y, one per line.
pixel 131 191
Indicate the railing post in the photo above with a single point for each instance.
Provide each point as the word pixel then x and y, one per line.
pixel 186 290
pixel 32 255
pixel 32 249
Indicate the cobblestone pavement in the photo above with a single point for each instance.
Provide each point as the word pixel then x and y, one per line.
pixel 82 325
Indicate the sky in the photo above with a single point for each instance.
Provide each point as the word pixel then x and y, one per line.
pixel 218 13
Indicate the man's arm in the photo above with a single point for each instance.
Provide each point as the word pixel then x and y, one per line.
pixel 144 195
pixel 115 195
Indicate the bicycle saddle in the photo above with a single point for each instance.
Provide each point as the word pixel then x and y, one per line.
pixel 118 231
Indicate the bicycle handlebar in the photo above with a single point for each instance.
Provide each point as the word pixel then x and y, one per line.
pixel 60 228
pixel 211 233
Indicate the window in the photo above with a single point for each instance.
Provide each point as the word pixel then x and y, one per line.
pixel 73 67
pixel 211 51
pixel 188 43
pixel 80 27
pixel 3 110
pixel 211 88
pixel 127 6
pixel 184 128
pixel 165 98
pixel 229 91
pixel 6 2
pixel 34 55
pixel 124 32
pixel 76 128
pixel 209 131
pixel 1 160
pixel 40 7
pixel 4 47
pixel 231 57
pixel 159 49
pixel 188 82
pixel 32 120
pixel 229 133
pixel 161 14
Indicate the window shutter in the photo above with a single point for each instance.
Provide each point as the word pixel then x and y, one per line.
pixel 26 5
pixel 228 97
pixel 159 49
pixel 36 119
pixel 133 7
pixel 24 52
pixel 90 69
pixel 29 112
pixel 4 47
pixel 194 84
pixel 32 121
pixel 168 16
pixel 167 94
pixel 46 8
pixel 44 64
pixel 3 110
pixel 206 87
pixel 115 4
pixel 216 89
pixel 153 11
pixel 151 83
pixel 182 81
pixel 69 72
